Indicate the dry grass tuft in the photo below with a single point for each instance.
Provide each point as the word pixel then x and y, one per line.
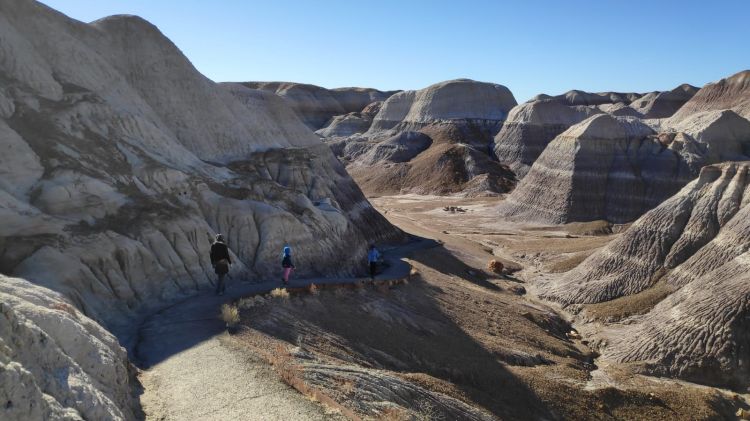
pixel 426 411
pixel 280 293
pixel 230 314
pixel 395 413
pixel 313 289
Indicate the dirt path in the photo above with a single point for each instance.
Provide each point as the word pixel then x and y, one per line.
pixel 193 372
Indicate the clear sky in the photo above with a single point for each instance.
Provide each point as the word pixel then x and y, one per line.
pixel 531 46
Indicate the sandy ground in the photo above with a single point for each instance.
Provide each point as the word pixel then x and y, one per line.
pixel 212 381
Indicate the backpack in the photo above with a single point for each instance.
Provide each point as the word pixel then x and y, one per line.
pixel 222 267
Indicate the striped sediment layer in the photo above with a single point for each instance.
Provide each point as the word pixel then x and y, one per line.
pixel 617 168
pixel 605 167
pixel 697 244
pixel 530 127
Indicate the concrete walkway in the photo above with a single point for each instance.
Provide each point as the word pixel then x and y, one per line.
pixel 192 374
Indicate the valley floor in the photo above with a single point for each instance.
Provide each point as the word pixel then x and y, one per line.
pixel 450 340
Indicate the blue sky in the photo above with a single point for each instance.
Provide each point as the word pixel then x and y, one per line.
pixel 530 46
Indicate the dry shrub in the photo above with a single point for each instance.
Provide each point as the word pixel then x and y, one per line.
pixel 426 411
pixel 313 289
pixel 346 386
pixel 230 314
pixel 280 293
pixel 395 413
pixel 495 266
pixel 61 306
pixel 293 375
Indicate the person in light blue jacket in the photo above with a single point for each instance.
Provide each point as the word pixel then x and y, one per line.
pixel 286 263
pixel 373 255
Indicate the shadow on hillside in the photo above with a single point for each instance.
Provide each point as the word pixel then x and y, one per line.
pixel 402 330
pixel 445 262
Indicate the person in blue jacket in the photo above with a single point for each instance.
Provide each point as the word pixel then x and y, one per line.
pixel 286 263
pixel 373 255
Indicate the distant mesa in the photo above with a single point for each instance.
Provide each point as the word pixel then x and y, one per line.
pixel 315 105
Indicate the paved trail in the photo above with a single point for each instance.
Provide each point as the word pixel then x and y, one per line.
pixel 192 372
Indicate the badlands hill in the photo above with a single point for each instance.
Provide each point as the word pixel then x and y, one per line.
pixel 442 138
pixel 607 166
pixel 732 93
pixel 531 126
pixel 315 105
pixel 691 253
pixel 119 163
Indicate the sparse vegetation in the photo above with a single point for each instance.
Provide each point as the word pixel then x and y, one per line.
pixel 426 411
pixel 495 266
pixel 230 314
pixel 280 293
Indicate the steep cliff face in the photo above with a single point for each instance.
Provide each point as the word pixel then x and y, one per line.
pixel 732 93
pixel 120 161
pixel 697 244
pixel 440 137
pixel 315 105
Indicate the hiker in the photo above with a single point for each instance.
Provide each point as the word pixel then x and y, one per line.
pixel 373 255
pixel 220 261
pixel 286 263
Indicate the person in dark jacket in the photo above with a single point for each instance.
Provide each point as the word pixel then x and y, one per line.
pixel 221 261
pixel 286 263
pixel 373 255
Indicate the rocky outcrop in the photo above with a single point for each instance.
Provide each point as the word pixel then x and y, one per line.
pixel 315 105
pixel 617 168
pixel 120 161
pixel 663 104
pixel 345 125
pixel 732 93
pixel 697 243
pixel 56 363
pixel 433 141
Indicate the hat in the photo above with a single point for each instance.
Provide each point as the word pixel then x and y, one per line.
pixel 220 238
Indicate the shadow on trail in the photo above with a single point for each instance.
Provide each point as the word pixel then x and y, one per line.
pixel 403 330
pixel 442 260
pixel 195 319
